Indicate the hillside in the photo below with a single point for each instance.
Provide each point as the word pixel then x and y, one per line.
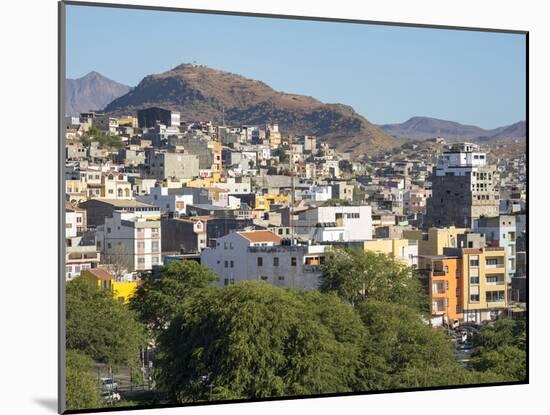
pixel 202 93
pixel 421 128
pixel 91 92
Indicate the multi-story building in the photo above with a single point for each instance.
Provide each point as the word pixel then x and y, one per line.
pixel 445 284
pixel 150 117
pixel 164 165
pixel 99 209
pixel 404 250
pixel 259 255
pixel 129 242
pixel 168 200
pixel 434 240
pixel 501 231
pixel 334 224
pixel 464 188
pixel 484 287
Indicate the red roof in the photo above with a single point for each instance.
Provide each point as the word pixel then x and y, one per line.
pixel 261 236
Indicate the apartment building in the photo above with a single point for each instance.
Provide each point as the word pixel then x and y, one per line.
pixel 404 250
pixel 334 224
pixel 464 188
pixel 129 242
pixel 259 255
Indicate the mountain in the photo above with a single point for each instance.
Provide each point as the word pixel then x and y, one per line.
pixel 421 128
pixel 202 93
pixel 91 92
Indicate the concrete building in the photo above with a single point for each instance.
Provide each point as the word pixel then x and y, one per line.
pixel 150 117
pixel 434 241
pixel 334 223
pixel 259 255
pixel 464 188
pixel 97 210
pixel 168 200
pixel 501 231
pixel 164 165
pixel 403 250
pixel 129 242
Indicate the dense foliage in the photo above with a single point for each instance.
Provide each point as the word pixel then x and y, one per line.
pixel 356 275
pixel 81 387
pixel 500 350
pixel 103 139
pixel 254 340
pixel 100 326
pixel 158 299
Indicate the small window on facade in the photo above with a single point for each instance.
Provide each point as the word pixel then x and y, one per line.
pixel 293 261
pixel 260 261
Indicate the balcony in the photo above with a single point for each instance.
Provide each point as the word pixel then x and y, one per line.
pixel 439 274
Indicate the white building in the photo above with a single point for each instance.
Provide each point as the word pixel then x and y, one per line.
pixel 259 255
pixel 317 193
pixel 129 242
pixel 168 200
pixel 335 223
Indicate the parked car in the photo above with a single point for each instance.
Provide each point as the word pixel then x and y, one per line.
pixel 109 384
pixel 114 396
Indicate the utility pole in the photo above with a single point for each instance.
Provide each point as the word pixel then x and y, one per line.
pixel 292 195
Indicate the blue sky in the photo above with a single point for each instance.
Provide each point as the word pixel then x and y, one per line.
pixel 387 73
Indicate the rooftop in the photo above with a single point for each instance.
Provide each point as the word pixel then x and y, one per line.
pixel 261 236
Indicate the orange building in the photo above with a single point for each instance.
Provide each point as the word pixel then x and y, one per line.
pixel 445 288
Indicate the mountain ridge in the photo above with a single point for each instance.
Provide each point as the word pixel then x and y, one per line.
pixel 203 93
pixel 421 128
pixel 92 91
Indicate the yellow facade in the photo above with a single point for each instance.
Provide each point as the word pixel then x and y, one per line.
pixel 128 121
pixel 264 202
pixel 433 242
pixel 395 248
pixel 484 282
pixel 205 181
pixel 124 290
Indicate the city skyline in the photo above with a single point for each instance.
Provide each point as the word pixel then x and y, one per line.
pixel 475 78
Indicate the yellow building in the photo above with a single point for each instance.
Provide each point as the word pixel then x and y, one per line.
pixel 122 290
pixel 205 181
pixel 264 202
pixel 128 121
pixel 484 284
pixel 76 191
pixel 433 241
pixel 403 250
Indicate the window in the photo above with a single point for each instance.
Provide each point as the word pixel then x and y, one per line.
pixel 226 264
pixel 495 279
pixel 141 260
pixel 225 245
pixel 474 280
pixel 491 261
pixel 281 277
pixel 492 296
pixel 275 261
pixel 260 261
pixel 155 260
pixel 293 261
pixel 108 230
pixel 474 298
pixel 263 277
pixel 474 262
pixel 109 245
pixel 232 264
pixel 230 245
pixel 155 246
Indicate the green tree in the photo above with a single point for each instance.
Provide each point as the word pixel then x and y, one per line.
pixel 158 299
pixel 409 352
pixel 254 340
pixel 106 140
pixel 500 350
pixel 100 326
pixel 81 388
pixel 356 275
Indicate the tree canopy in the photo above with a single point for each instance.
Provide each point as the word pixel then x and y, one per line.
pixel 157 300
pixel 104 139
pixel 253 340
pixel 500 350
pixel 81 388
pixel 100 326
pixel 356 275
